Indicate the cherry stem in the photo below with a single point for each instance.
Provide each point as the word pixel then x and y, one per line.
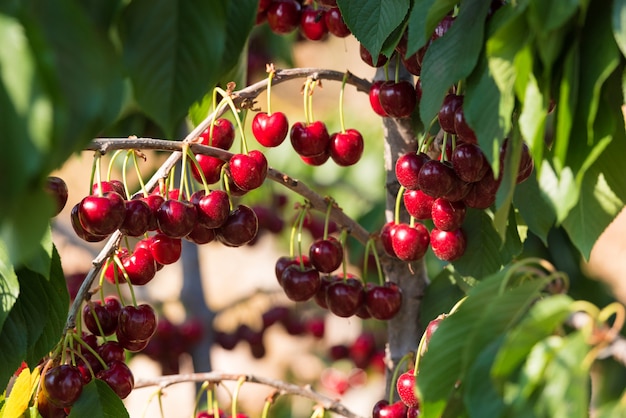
pixel 233 108
pixel 343 238
pixel 195 162
pixel 341 95
pixel 183 170
pixel 91 350
pixel 312 84
pixel 305 95
pixel 268 403
pixel 371 246
pixel 95 317
pixel 386 70
pixel 397 69
pixel 124 181
pixel 240 383
pixel 95 174
pixel 203 387
pixel 331 202
pixel 272 71
pixel 444 147
pixel 305 209
pixel 396 213
pixel 110 166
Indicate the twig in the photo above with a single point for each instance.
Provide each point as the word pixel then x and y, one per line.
pixel 283 387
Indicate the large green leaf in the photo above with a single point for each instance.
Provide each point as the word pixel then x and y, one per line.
pixel 173 50
pixel 542 319
pixel 534 208
pixel 9 285
pixel 424 17
pixel 441 294
pixel 13 342
pixel 481 397
pixel 98 401
pixel 561 191
pixel 452 57
pixel 372 21
pixel 489 310
pixel 482 255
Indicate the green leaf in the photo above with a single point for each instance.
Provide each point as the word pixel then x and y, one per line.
pixel 9 285
pixel 243 13
pixel 482 255
pixel 372 21
pixel 481 397
pixel 98 401
pixel 562 193
pixel 542 319
pixel 567 101
pixel 618 23
pixel 57 310
pixel 489 310
pixel 534 208
pixel 13 342
pixel 512 241
pixel 440 295
pixel 171 49
pixel 424 17
pixel 41 260
pixel 452 57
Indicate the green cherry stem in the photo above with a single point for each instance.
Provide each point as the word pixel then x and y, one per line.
pixel 233 108
pixel 144 191
pixel 305 208
pixel 95 174
pixel 95 317
pixel 111 163
pixel 371 246
pixel 130 286
pixel 272 72
pixel 268 403
pixel 80 341
pixel 341 95
pixel 196 404
pixel 343 238
pixel 305 95
pixel 183 170
pixel 329 209
pixel 240 383
pixel 396 213
pixel 309 98
pixel 195 162
pixel 397 72
pixel 294 230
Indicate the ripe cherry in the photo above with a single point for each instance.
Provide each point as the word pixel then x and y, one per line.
pixel 283 262
pixel 326 255
pixel 119 378
pixel 78 228
pixel 283 16
pixel 63 385
pixel 102 215
pixel 346 147
pixel 309 140
pixel 436 178
pixel 383 302
pixel 446 113
pixel 407 169
pixel 469 162
pixel 405 385
pixel 137 323
pixel 165 250
pixel 398 99
pixel 223 134
pixel 313 23
pixel 140 266
pixel 111 351
pixel 374 97
pixel 345 296
pixel 212 208
pixel 176 218
pixel 448 245
pixel 248 171
pixel 447 216
pixel 57 189
pixel 335 23
pixel 367 57
pixel 270 130
pixel 386 238
pixel 138 218
pixel 240 227
pixel 418 204
pixel 300 284
pixel 106 314
pixel 211 168
pixel 410 242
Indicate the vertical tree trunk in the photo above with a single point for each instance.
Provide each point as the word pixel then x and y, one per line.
pixel 404 330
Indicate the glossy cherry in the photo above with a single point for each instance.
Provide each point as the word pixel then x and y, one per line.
pixel 446 215
pixel 326 255
pixel 309 140
pixel 140 266
pixel 374 97
pixel 300 284
pixel 283 16
pixel 119 378
pixel 57 189
pixel 138 218
pixel 436 178
pixel 63 385
pixel 367 57
pixel 240 227
pixel 285 261
pixel 176 218
pixel 223 134
pixel 398 99
pixel 448 245
pixel 383 302
pixel 386 238
pixel 407 169
pixel 270 130
pixel 212 208
pixel 410 242
pixel 469 162
pixel 335 23
pixel 418 204
pixel 313 23
pixel 343 297
pixel 248 171
pixel 446 113
pixel 211 168
pixel 137 323
pixel 405 385
pixel 78 228
pixel 102 215
pixel 106 314
pixel 165 249
pixel 346 147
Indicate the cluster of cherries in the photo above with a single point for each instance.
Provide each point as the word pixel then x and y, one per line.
pixel 315 20
pixel 303 278
pixel 408 404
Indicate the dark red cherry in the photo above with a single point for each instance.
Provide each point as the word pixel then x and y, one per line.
pixel 57 189
pixel 212 208
pixel 137 323
pixel 398 99
pixel 463 131
pixel 78 227
pixel 309 140
pixel 383 302
pixel 300 284
pixel 446 113
pixel 140 266
pixel 469 162
pixel 346 147
pixel 138 218
pixel 386 238
pixel 367 57
pixel 326 255
pixel 62 385
pixel 240 227
pixel 176 218
pixel 410 242
pixel 283 262
pixel 283 16
pixel 336 24
pixel 102 215
pixel 223 134
pixel 313 23
pixel 436 178
pixel 344 297
pixel 374 96
pixel 119 378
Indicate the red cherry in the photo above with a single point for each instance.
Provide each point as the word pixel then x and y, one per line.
pixel 240 227
pixel 248 171
pixel 283 16
pixel 418 204
pixel 138 218
pixel 344 297
pixel 326 255
pixel 335 23
pixel 447 216
pixel 463 131
pixel 111 351
pixel 300 284
pixel 211 168
pixel 383 302
pixel 63 385
pixel 309 140
pixel 374 96
pixel 398 99
pixel 313 23
pixel 436 178
pixel 283 262
pixel 405 385
pixel 367 57
pixel 386 238
pixel 57 189
pixel 407 169
pixel 346 147
pixel 176 218
pixel 469 162
pixel 448 245
pixel 98 189
pixel 212 208
pixel 165 250
pixel 270 130
pixel 80 230
pixel 316 160
pixel 137 323
pixel 410 242
pixel 140 266
pixel 446 113
pixel 223 134
pixel 119 378
pixel 320 295
pixel 154 201
pixel 102 215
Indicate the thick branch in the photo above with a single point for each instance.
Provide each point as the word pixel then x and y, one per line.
pixel 284 388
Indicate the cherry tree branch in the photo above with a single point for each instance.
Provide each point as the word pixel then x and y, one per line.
pixel 284 388
pixel 242 98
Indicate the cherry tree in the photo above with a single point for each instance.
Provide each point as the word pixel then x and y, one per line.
pixel 503 139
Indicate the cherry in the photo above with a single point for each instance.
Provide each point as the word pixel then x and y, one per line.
pixel 113 273
pixel 226 340
pixel 446 113
pixel 57 189
pixel 526 164
pixel 63 385
pixel 395 410
pixel 460 189
pixel 482 194
pixel 223 134
pixel 154 201
pixel 316 327
pixel 109 186
pixel 407 169
pixel 335 23
pixel 283 16
pixel 410 242
pixel 398 99
pixel 47 409
pixel 200 234
pixel 448 245
pixel 107 315
pixel 211 168
pixel 316 160
pixel 362 349
pixel 240 227
pixel 405 385
pixel 447 216
pixel 413 63
pixel 140 266
pixel 119 378
pixel 313 23
pixel 463 131
pixel 88 365
pixel 378 406
pixel 248 171
pixel 165 249
pixel 383 302
pixel 111 351
pixel 78 227
pixel 137 219
pixel 212 208
pixel 137 323
pixel 412 412
pixel 418 204
pixel 300 284
pixel 273 315
pixel 134 346
pixel 270 130
pixel 367 57
pixel 102 215
pixel 309 140
pixel 430 329
pixel 283 262
pixel 386 238
pixel 436 178
pixel 374 96
pixel 176 218
pixel 442 27
pixel 320 295
pixel 343 297
pixel 469 162
pixel 346 147
pixel 326 255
